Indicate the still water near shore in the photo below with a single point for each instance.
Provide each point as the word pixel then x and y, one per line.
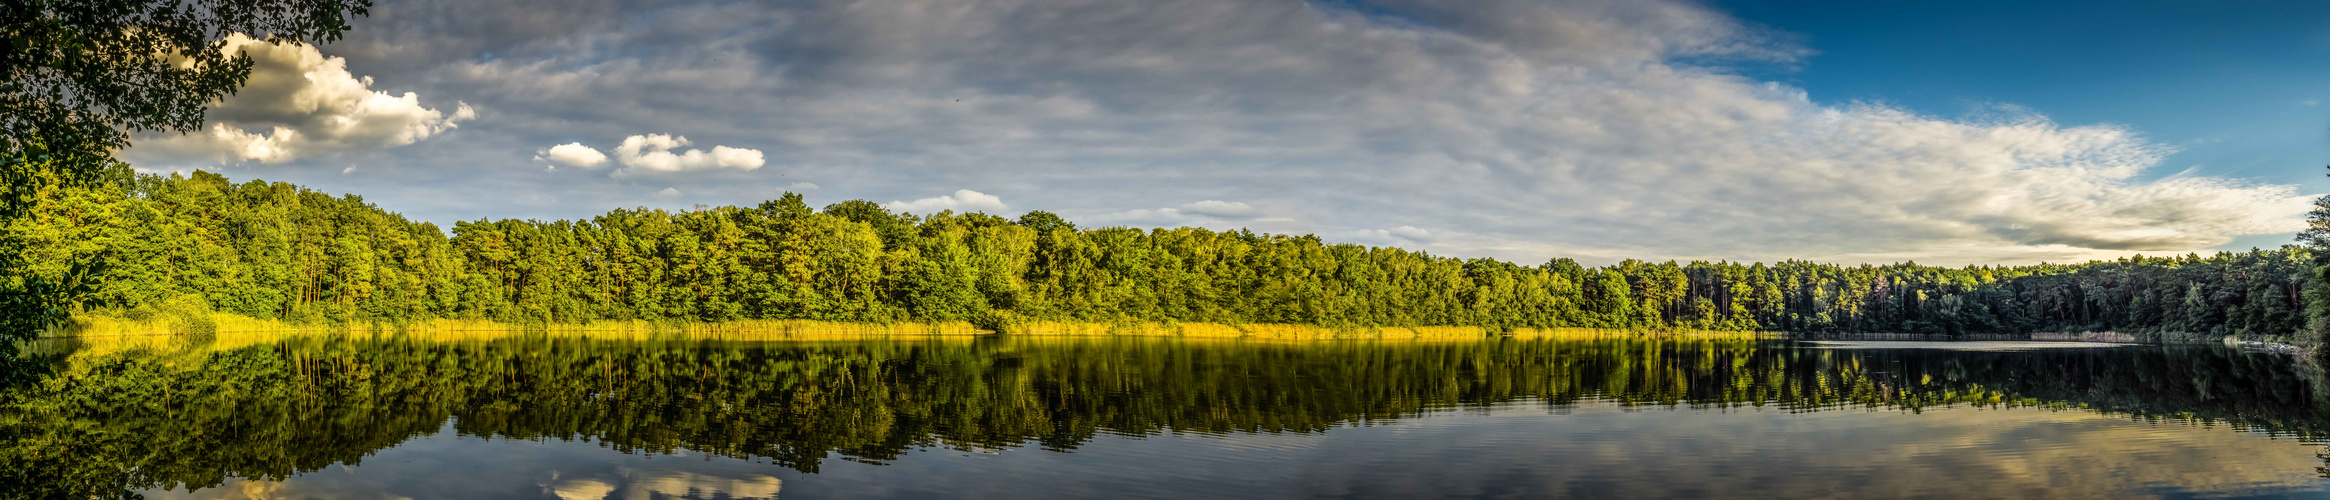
pixel 1615 416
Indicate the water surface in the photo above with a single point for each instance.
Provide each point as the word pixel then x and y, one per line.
pixel 562 417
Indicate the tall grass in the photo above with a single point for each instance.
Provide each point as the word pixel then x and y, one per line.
pixel 190 319
pixel 1317 332
pixel 214 323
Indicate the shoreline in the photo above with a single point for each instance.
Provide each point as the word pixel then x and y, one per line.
pixel 214 324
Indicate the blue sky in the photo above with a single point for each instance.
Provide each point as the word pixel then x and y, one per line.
pixel 2238 86
pixel 1941 132
pixel 2227 81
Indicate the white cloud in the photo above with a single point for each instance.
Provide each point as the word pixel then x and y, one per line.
pixel 297 103
pixel 964 200
pixel 669 192
pixel 572 154
pixel 651 153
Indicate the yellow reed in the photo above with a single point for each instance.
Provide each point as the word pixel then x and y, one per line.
pixel 158 330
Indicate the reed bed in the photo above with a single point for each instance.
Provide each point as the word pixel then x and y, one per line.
pixel 1682 333
pixel 1262 331
pixel 211 323
pixel 222 329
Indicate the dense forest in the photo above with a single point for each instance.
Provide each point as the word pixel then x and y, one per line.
pixel 197 415
pixel 274 250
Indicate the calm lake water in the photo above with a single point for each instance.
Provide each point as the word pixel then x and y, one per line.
pixel 573 418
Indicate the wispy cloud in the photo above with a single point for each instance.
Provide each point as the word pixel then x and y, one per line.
pixel 1591 128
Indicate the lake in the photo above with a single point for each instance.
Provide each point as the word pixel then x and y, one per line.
pixel 571 417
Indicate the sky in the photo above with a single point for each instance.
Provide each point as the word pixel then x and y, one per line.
pixel 1946 133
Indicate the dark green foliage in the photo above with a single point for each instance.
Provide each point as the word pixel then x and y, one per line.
pixel 896 230
pixel 2316 236
pixel 1044 222
pixel 277 251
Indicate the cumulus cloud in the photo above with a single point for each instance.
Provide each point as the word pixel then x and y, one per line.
pixel 651 153
pixel 572 154
pixel 964 200
pixel 1598 129
pixel 297 103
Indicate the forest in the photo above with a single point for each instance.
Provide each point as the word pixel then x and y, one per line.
pixel 279 251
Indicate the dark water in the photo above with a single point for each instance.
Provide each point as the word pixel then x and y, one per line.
pixel 541 417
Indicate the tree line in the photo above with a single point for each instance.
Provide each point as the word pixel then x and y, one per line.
pixel 279 251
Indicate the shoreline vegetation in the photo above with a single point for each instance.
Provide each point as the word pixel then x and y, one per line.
pixel 209 327
pixel 85 335
pixel 215 324
pixel 211 255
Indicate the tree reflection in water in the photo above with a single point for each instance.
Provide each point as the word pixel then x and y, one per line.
pixel 109 421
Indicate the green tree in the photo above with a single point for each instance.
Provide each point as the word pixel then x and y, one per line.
pixel 76 77
pixel 1045 222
